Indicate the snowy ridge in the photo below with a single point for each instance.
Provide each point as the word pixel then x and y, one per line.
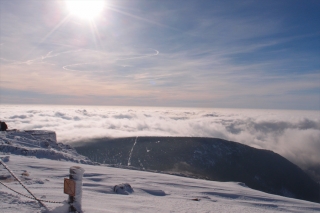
pixel 206 158
pixel 40 144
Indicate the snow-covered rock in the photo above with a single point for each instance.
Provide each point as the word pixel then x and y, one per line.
pixel 40 144
pixel 123 188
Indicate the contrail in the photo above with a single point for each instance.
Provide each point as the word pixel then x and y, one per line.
pixel 50 33
pixel 129 160
pixel 48 55
pixel 143 56
pixel 66 67
pixel 70 65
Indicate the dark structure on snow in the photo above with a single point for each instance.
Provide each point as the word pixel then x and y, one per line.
pixel 3 126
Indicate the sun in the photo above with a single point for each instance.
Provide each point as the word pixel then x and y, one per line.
pixel 85 9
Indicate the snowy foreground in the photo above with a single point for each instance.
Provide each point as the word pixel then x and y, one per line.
pixel 42 164
pixel 153 192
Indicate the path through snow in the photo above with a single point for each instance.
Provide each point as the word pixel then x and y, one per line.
pixel 129 159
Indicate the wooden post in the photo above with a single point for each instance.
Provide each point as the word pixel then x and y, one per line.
pixel 76 174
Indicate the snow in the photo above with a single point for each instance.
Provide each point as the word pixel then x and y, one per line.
pixel 153 192
pixel 38 143
pixel 44 176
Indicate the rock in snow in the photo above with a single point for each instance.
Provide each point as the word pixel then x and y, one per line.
pixel 123 188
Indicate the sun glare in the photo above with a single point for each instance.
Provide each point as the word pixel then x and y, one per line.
pixel 85 9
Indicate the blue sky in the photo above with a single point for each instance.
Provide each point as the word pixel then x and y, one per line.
pixel 226 54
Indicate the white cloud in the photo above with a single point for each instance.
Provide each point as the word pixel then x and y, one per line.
pixel 293 134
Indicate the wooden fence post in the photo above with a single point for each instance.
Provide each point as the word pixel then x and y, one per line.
pixel 76 174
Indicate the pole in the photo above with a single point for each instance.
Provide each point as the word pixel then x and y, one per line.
pixel 76 174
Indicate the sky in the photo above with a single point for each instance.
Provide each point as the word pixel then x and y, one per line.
pixel 222 54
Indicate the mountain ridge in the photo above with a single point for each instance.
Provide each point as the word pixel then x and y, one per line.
pixel 206 158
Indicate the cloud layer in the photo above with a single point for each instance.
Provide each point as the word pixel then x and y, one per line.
pixel 293 134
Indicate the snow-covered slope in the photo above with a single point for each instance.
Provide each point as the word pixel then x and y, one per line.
pixel 206 158
pixel 34 155
pixel 153 192
pixel 38 143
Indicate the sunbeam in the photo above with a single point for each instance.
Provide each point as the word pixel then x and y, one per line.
pixel 48 34
pixel 143 19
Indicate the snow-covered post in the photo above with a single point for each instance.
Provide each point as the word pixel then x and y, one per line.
pixel 76 174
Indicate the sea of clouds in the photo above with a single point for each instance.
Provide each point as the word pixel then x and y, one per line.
pixel 293 134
